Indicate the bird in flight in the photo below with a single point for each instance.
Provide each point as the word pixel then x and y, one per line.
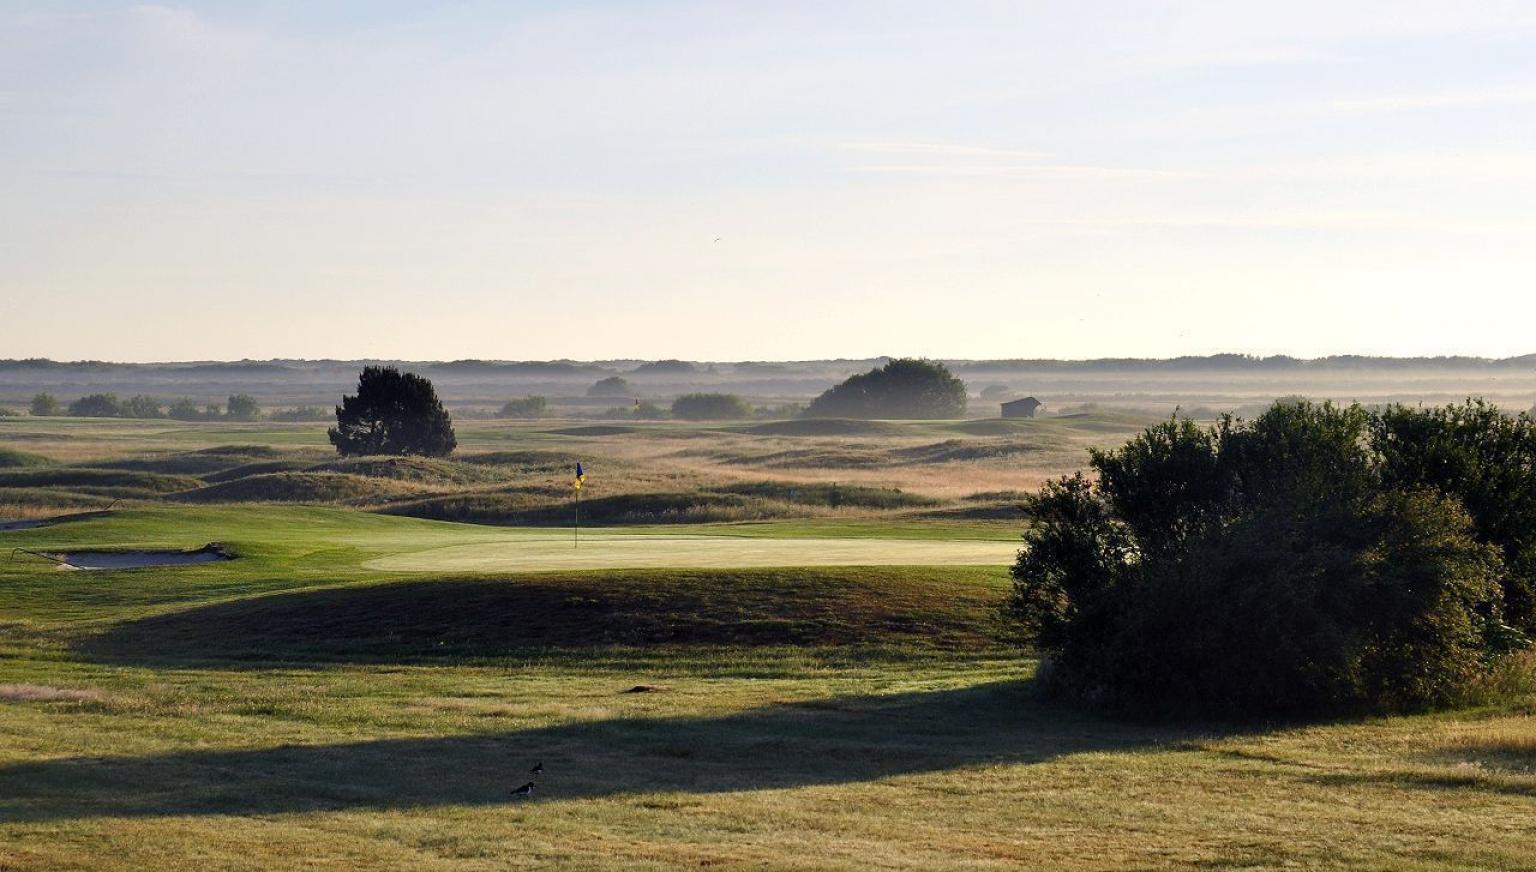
pixel 525 790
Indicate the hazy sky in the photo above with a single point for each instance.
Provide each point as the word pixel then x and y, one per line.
pixel 733 180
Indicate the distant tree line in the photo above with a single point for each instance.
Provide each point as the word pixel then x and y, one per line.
pixel 239 407
pixel 1315 560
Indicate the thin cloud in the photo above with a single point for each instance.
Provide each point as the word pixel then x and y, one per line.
pixel 944 150
pixel 1501 95
pixel 1026 171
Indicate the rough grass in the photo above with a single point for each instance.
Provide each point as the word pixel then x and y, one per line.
pixel 825 427
pixel 299 487
pixel 13 458
pixel 44 693
pixel 412 469
pixel 108 482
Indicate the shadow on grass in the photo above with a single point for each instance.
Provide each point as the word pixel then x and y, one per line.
pixel 835 741
pixel 395 622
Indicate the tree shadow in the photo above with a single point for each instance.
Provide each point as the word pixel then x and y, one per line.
pixel 783 746
pixel 491 617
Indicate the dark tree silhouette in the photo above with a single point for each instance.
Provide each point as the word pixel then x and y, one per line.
pixel 393 413
pixel 903 388
pixel 612 386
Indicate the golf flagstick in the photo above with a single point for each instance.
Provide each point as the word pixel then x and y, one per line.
pixel 576 484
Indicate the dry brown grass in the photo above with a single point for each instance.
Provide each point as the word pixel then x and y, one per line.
pixel 46 693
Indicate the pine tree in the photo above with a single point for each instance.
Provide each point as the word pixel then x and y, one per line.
pixel 393 413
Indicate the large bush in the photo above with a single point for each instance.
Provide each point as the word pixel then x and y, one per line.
pixel 393 413
pixel 45 405
pixel 903 388
pixel 242 407
pixel 527 407
pixel 710 407
pixel 1297 564
pixel 612 386
pixel 96 406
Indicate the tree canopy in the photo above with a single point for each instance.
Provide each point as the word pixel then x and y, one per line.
pixel 393 413
pixel 1315 560
pixel 903 388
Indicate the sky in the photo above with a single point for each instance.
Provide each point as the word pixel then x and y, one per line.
pixel 770 181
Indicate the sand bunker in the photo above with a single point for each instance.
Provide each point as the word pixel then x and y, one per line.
pixel 136 559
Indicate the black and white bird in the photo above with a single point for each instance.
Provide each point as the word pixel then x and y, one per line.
pixel 538 768
pixel 525 790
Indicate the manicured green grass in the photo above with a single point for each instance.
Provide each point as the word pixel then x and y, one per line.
pixel 300 708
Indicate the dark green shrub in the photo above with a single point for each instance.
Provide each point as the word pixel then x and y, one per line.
pixel 528 407
pixel 1261 568
pixel 45 405
pixel 96 406
pixel 142 406
pixel 184 409
pixel 710 407
pixel 301 413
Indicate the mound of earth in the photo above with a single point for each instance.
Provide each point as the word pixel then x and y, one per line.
pixel 50 498
pixel 518 458
pixel 992 427
pixel 827 457
pixel 259 467
pixel 11 458
pixel 198 463
pixel 414 469
pixel 396 621
pixel 101 482
pixel 299 487
pixel 959 450
pixel 830 495
pixel 824 427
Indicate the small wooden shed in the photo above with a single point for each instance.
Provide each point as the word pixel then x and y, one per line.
pixel 1024 408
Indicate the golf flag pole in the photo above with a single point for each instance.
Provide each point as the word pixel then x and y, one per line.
pixel 581 478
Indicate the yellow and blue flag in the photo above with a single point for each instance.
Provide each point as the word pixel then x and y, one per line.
pixel 581 477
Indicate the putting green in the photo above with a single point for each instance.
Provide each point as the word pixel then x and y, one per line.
pixel 616 550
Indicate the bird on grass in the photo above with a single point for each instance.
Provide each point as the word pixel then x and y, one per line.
pixel 525 790
pixel 538 768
